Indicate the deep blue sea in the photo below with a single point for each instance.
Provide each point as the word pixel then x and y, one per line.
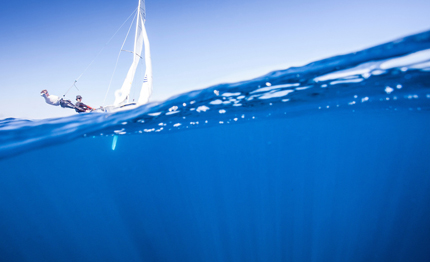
pixel 325 162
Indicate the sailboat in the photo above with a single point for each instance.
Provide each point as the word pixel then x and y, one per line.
pixel 122 95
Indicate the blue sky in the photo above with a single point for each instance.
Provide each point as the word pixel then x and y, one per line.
pixel 194 44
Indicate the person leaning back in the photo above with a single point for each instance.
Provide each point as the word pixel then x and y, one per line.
pixel 56 101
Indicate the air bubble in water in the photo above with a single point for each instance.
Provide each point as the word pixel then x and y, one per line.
pixel 388 90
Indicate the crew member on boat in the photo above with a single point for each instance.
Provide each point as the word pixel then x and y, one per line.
pixel 56 101
pixel 81 107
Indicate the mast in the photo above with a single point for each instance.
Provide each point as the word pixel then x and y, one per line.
pixel 136 35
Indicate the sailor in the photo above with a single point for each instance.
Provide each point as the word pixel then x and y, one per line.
pixel 55 100
pixel 81 107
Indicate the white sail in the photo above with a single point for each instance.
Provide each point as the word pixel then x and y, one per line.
pixel 146 90
pixel 122 95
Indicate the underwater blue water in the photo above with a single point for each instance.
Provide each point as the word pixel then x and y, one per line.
pixel 326 162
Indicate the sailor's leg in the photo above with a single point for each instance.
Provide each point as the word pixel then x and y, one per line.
pixel 67 104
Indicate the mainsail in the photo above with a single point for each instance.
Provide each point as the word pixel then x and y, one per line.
pixel 146 90
pixel 122 95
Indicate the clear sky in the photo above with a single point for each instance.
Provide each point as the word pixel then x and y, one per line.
pixel 47 44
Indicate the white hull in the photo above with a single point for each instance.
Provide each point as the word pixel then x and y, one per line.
pixel 112 109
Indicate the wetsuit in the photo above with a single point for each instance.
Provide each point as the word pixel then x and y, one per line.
pixel 81 107
pixel 67 104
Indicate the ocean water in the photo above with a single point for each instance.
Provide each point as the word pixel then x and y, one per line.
pixel 325 162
